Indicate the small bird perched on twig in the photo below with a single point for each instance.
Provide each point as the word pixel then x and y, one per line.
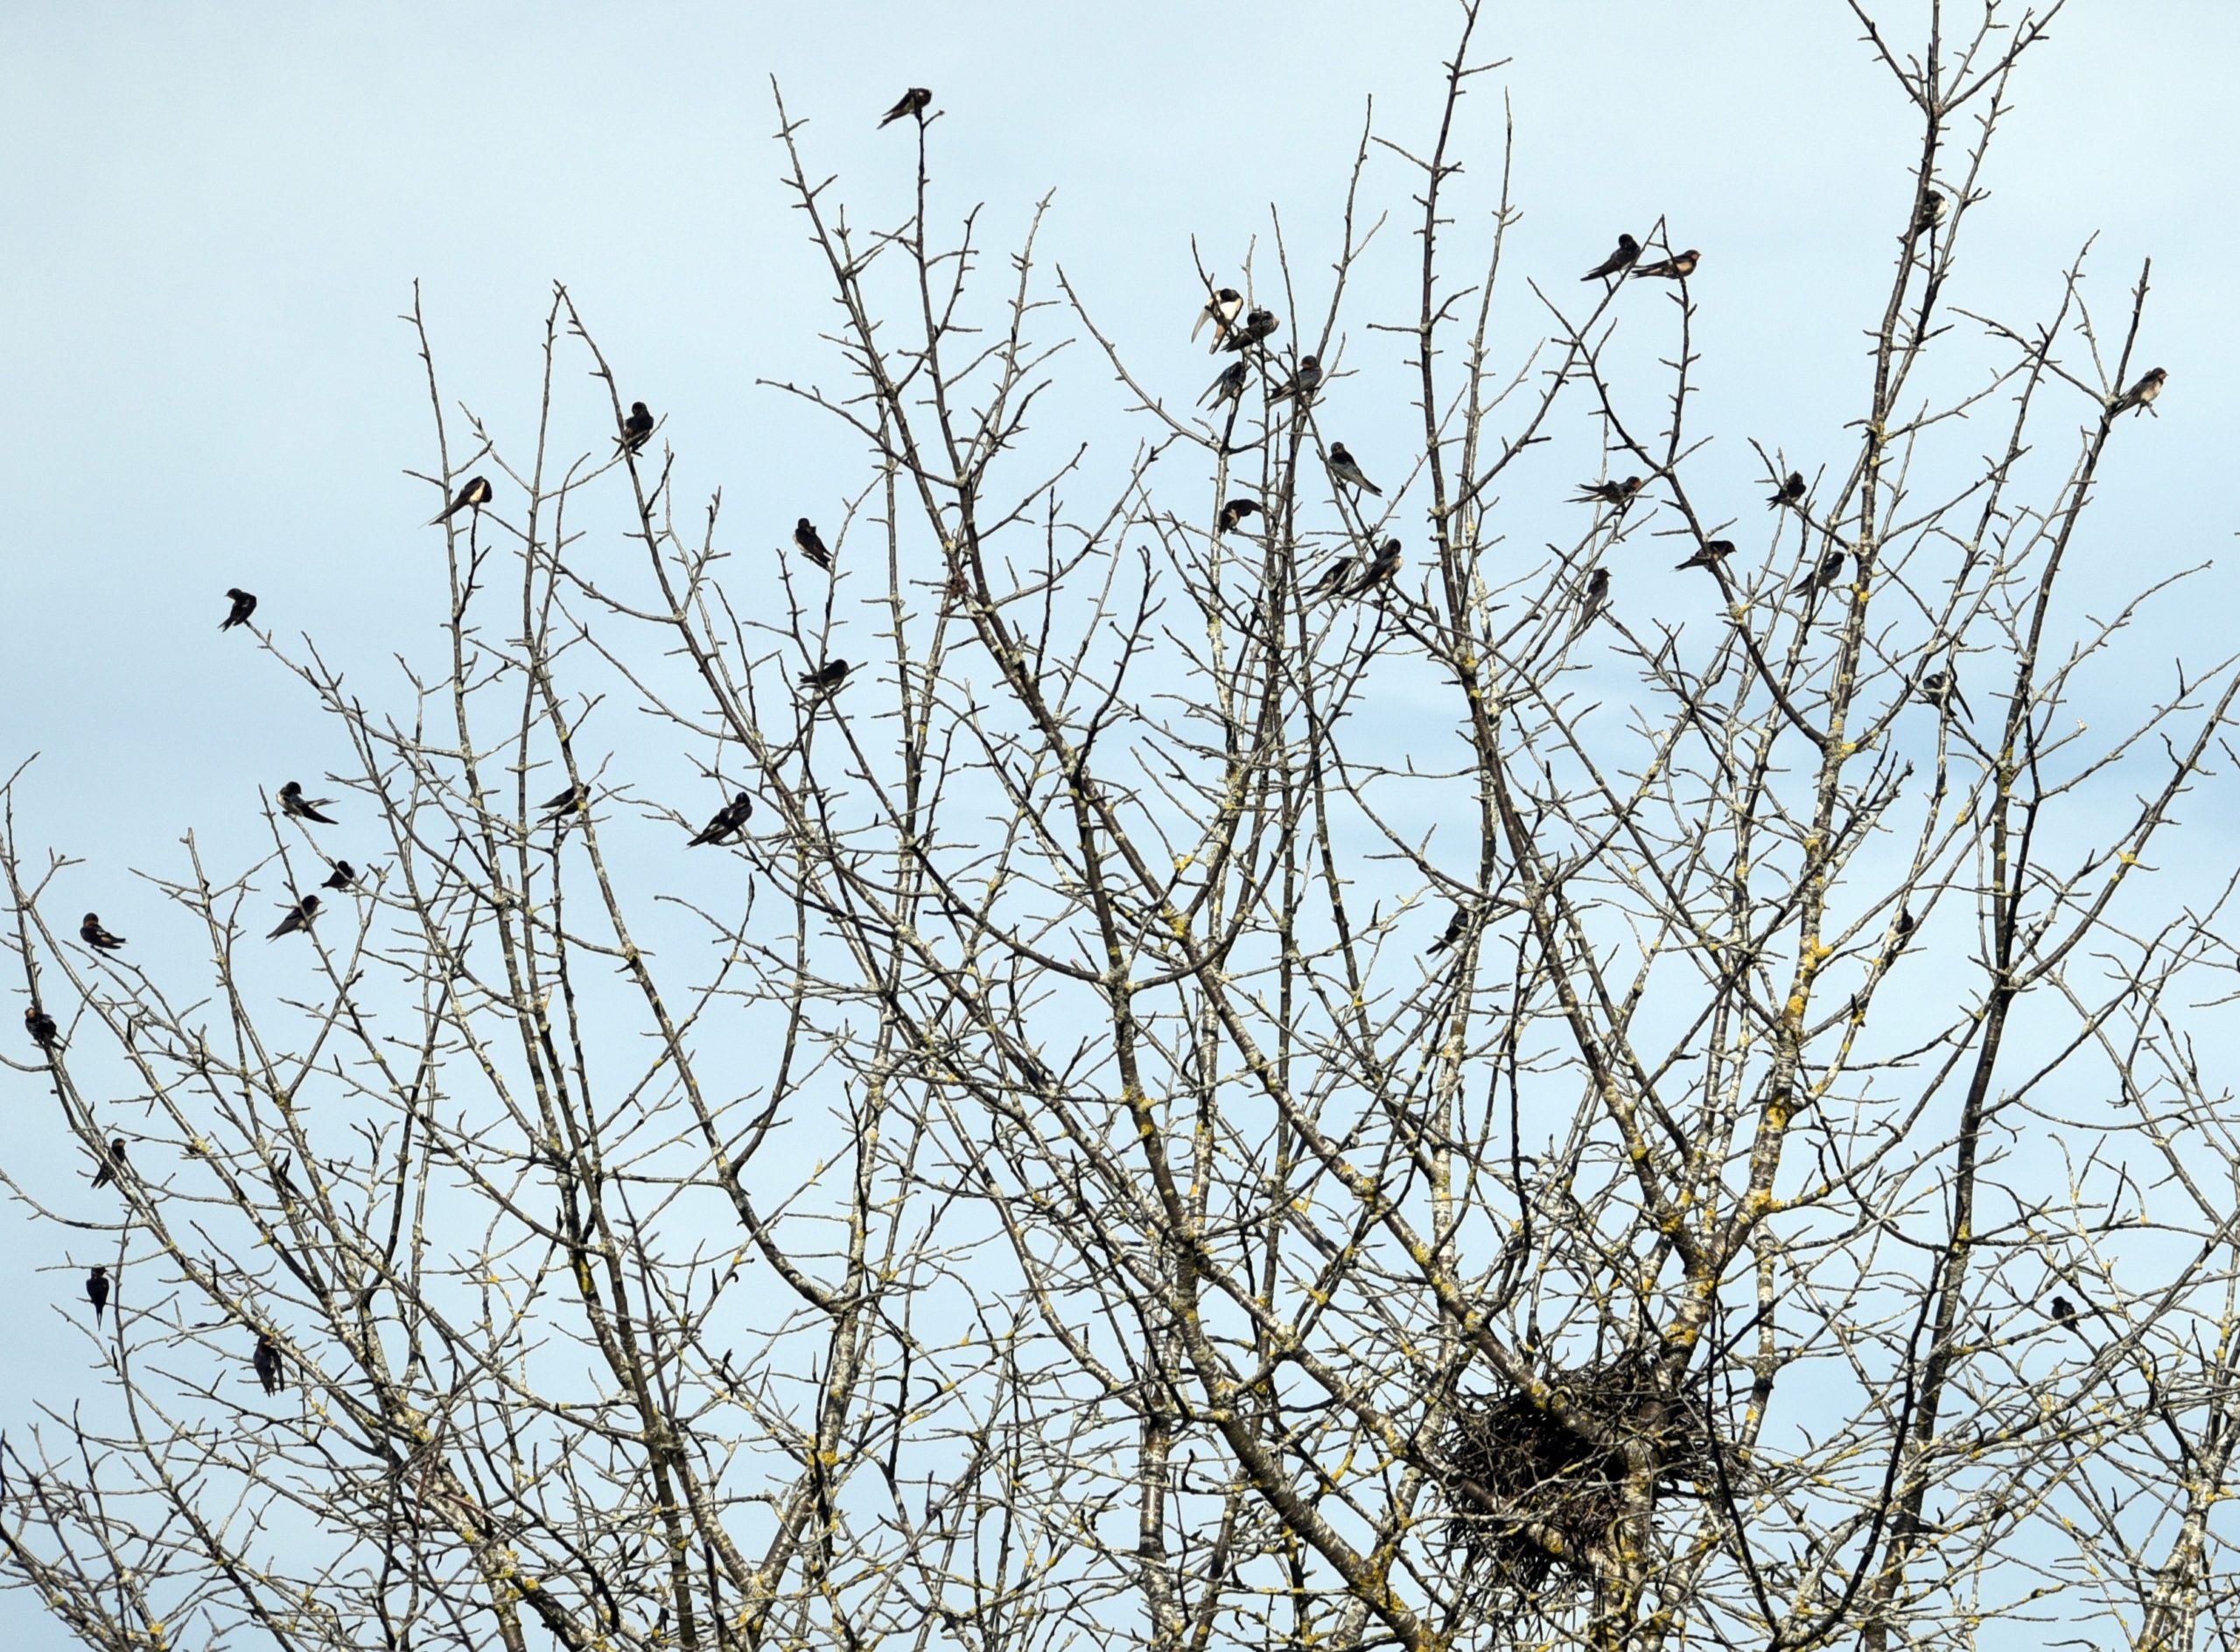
pixel 826 679
pixel 1617 262
pixel 1343 467
pixel 1829 571
pixel 637 429
pixel 111 1163
pixel 1710 555
pixel 1451 934
pixel 1618 494
pixel 292 801
pixel 342 877
pixel 267 1360
pixel 1679 268
pixel 1259 325
pixel 1221 308
pixel 729 821
pixel 1236 511
pixel 244 605
pixel 1228 387
pixel 1382 570
pixel 1302 385
pixel 1333 579
pixel 575 799
pixel 1593 599
pixel 1942 689
pixel 473 496
pixel 1790 492
pixel 2064 1311
pixel 1929 215
pixel 97 1289
pixel 2141 396
pixel 811 544
pixel 299 917
pixel 94 935
pixel 910 102
pixel 40 1026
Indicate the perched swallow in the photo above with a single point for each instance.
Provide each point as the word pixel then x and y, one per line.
pixel 729 821
pixel 1382 570
pixel 1333 578
pixel 2141 396
pixel 1942 689
pixel 112 1163
pixel 1221 310
pixel 299 917
pixel 1710 554
pixel 637 429
pixel 1931 214
pixel 473 497
pixel 40 1026
pixel 1829 571
pixel 342 877
pixel 2064 1311
pixel 1618 494
pixel 244 605
pixel 1677 268
pixel 1790 492
pixel 1259 325
pixel 1236 510
pixel 269 1368
pixel 1342 468
pixel 826 678
pixel 1451 934
pixel 1617 262
pixel 572 801
pixel 1593 599
pixel 1903 931
pixel 292 801
pixel 1302 384
pixel 912 101
pixel 97 1291
pixel 811 544
pixel 1228 387
pixel 94 935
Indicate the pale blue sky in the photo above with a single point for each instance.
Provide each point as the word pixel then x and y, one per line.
pixel 215 214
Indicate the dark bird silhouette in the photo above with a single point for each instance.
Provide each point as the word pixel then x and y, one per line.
pixel 1228 387
pixel 1942 689
pixel 1343 467
pixel 97 1290
pixel 342 877
pixel 112 1163
pixel 826 678
pixel 1221 308
pixel 729 821
pixel 2141 396
pixel 1710 555
pixel 912 101
pixel 575 798
pixel 2064 1311
pixel 1829 571
pixel 1593 599
pixel 1333 578
pixel 299 917
pixel 40 1026
pixel 1258 324
pixel 1617 262
pixel 473 496
pixel 1302 385
pixel 244 605
pixel 810 543
pixel 1451 934
pixel 1790 492
pixel 1618 493
pixel 1675 269
pixel 267 1360
pixel 1929 215
pixel 94 935
pixel 1903 930
pixel 1236 510
pixel 292 801
pixel 637 429
pixel 1382 570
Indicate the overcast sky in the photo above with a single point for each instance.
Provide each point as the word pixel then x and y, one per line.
pixel 214 216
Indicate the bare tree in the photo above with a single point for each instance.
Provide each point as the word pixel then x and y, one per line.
pixel 1118 1045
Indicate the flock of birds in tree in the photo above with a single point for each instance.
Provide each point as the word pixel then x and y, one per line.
pixel 1236 331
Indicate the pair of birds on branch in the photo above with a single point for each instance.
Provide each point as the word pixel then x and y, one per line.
pixel 1626 258
pixel 727 822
